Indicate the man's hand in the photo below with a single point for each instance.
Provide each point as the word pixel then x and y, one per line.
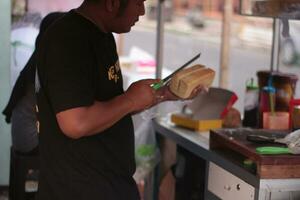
pixel 142 95
pixel 165 94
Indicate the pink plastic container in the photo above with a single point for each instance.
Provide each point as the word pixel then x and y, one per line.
pixel 276 120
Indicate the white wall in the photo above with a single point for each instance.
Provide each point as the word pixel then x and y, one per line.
pixel 5 137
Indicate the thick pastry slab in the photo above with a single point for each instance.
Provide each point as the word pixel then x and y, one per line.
pixel 183 83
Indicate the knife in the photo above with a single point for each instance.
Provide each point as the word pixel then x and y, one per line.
pixel 158 85
pixel 264 139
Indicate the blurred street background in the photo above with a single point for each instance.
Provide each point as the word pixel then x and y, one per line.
pixel 190 26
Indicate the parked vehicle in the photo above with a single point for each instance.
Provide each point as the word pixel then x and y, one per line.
pixel 151 10
pixel 195 17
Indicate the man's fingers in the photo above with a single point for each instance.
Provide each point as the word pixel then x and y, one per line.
pixel 197 90
pixel 205 89
pixel 151 81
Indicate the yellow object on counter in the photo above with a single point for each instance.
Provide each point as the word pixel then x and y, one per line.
pixel 197 125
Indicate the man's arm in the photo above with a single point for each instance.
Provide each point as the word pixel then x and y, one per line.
pixel 86 121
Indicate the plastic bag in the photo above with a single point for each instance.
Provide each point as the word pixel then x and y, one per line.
pixel 164 109
pixel 147 154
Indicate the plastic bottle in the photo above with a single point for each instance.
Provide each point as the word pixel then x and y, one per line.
pixel 251 104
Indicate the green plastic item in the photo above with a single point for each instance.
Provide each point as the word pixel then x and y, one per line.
pixel 248 162
pixel 272 150
pixel 146 150
pixel 250 85
pixel 158 85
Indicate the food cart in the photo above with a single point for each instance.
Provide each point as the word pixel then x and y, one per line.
pixel 234 168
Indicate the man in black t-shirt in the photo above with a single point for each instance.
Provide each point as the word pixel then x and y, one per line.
pixel 86 133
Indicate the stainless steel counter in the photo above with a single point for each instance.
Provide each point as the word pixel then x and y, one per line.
pixel 198 143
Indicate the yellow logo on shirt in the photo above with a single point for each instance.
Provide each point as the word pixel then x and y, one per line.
pixel 113 72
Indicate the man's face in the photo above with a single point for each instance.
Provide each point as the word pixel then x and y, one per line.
pixel 130 15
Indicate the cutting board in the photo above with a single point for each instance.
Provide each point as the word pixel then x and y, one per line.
pixel 267 166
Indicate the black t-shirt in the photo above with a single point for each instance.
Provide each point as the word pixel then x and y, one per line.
pixel 78 64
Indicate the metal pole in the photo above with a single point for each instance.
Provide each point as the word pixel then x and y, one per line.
pixel 275 45
pixel 26 6
pixel 158 74
pixel 225 44
pixel 159 38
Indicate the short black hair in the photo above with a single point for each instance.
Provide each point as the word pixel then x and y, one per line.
pixel 94 1
pixel 123 4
